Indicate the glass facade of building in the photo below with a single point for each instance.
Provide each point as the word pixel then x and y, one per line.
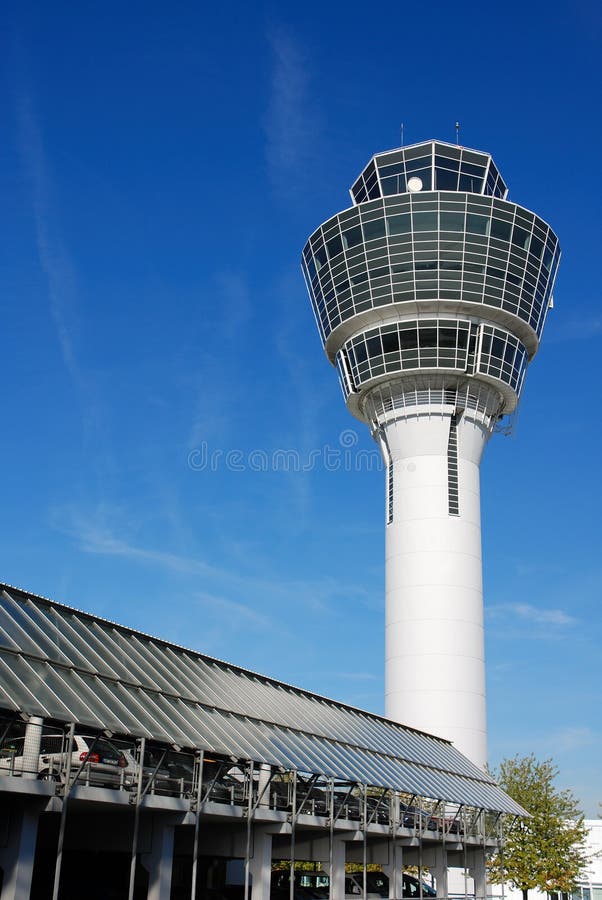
pixel 427 246
pixel 431 166
pixel 431 270
pixel 440 344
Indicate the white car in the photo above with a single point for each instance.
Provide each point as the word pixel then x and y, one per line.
pixel 104 764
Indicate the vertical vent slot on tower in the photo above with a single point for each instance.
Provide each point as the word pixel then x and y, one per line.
pixel 453 495
pixel 390 493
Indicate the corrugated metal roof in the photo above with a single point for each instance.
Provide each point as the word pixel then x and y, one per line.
pixel 61 663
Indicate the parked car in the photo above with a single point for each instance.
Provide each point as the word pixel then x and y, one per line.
pixel 413 817
pixel 378 810
pixel 308 885
pixel 316 885
pixel 377 887
pixel 103 763
pixel 449 824
pixel 172 773
pixel 412 888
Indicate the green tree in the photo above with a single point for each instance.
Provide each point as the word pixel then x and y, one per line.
pixel 547 850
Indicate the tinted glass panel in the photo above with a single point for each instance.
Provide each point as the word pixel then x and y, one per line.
pixel 417 165
pixel 352 238
pixel 390 185
pixel 477 224
pixel 536 247
pixel 501 229
pixel 452 221
pixel 392 169
pixel 401 224
pixel 509 353
pixel 334 245
pixel 390 342
pixel 447 337
pixel 471 184
pixel 428 337
pixel 446 181
pixel 51 743
pixel 425 221
pixel 374 346
pixel 408 339
pixel 520 237
pixel 497 347
pixel 320 258
pixel 374 229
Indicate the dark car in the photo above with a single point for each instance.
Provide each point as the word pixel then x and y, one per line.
pixel 413 817
pixel 169 772
pixel 308 885
pixel 377 886
pixel 416 889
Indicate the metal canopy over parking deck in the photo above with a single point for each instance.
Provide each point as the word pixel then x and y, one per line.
pixel 59 663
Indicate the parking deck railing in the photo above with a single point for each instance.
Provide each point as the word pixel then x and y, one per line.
pixel 100 759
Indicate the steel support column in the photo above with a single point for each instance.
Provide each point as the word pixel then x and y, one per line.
pixel 197 822
pixel 249 824
pixel 61 840
pixel 138 799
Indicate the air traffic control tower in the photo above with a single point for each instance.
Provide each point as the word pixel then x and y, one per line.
pixel 430 294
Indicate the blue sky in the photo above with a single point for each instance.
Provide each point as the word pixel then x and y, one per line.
pixel 161 167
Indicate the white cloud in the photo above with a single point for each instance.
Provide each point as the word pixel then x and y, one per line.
pixel 93 536
pixel 95 533
pixel 577 330
pixel 528 613
pixel 237 615
pixel 54 259
pixel 570 738
pixel 60 272
pixel 290 121
pixel 567 739
pixel 351 676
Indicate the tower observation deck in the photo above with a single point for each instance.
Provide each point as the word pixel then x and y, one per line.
pixel 430 294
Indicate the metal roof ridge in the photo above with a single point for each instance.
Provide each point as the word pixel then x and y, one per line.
pixel 433 141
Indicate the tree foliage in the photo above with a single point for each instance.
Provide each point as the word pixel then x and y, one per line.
pixel 546 851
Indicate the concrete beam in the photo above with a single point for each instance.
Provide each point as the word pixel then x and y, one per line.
pixel 260 864
pixel 478 871
pixel 20 825
pixel 159 861
pixel 336 872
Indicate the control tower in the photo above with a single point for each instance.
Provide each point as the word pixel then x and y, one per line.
pixel 430 294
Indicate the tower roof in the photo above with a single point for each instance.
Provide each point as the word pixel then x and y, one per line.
pixel 429 165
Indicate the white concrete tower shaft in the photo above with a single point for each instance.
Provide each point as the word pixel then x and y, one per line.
pixel 431 294
pixel 434 639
